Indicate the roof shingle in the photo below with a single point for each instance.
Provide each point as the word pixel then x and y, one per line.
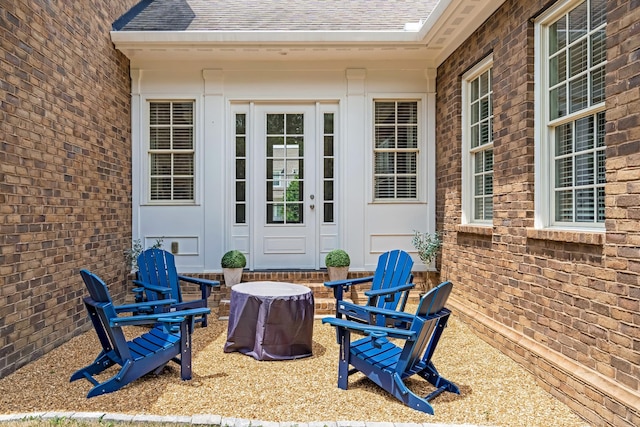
pixel 269 15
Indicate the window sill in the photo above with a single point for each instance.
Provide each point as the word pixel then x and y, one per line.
pixel 483 230
pixel 569 236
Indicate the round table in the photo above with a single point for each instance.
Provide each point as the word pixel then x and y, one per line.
pixel 270 320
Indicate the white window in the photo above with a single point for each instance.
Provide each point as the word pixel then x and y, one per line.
pixel 171 151
pixel 570 152
pixel 477 164
pixel 395 149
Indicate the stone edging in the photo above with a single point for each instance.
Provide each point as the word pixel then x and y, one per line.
pixel 205 419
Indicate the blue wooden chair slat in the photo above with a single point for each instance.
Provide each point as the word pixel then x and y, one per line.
pixel 157 337
pixel 384 360
pixel 389 288
pixel 158 278
pixel 146 353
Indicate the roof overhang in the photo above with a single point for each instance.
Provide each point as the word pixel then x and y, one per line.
pixel 450 23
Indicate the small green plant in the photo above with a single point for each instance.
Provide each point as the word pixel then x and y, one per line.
pixel 233 259
pixel 337 258
pixel 427 244
pixel 131 255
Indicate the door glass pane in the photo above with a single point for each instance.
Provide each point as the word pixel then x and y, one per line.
pixel 284 168
pixel 328 168
pixel 275 123
pixel 295 124
pixel 241 169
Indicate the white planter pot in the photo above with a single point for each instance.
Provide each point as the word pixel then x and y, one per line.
pixel 232 276
pixel 338 273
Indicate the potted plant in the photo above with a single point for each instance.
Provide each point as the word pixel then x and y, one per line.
pixel 131 255
pixel 232 264
pixel 337 262
pixel 427 245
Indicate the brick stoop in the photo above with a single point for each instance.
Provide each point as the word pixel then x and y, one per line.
pixel 323 296
pixel 314 279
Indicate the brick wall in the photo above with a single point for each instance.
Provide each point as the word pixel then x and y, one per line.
pixel 65 169
pixel 565 305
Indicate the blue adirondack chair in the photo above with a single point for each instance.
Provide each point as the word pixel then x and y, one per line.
pixel 169 339
pixel 390 286
pixel 158 278
pixel 387 363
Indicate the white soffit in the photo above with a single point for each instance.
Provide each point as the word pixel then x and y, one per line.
pixel 450 23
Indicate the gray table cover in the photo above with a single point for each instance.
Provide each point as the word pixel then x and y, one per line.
pixel 270 320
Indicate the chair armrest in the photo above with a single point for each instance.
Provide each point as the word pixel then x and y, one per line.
pixel 348 282
pixel 147 304
pixel 150 319
pixel 378 292
pixel 198 281
pixel 159 289
pixel 373 331
pixel 392 314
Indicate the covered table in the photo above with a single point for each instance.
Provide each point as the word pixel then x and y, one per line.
pixel 270 320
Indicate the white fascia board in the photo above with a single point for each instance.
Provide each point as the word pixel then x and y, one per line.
pixel 458 19
pixel 212 38
pixel 436 14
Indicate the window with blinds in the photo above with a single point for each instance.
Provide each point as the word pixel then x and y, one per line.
pixel 395 150
pixel 171 151
pixel 480 131
pixel 576 58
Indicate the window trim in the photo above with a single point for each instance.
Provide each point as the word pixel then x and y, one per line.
pixel 146 153
pixel 422 148
pixel 544 126
pixel 467 217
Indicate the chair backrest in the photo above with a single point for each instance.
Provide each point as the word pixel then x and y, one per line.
pixel 158 267
pixel 434 300
pixel 394 269
pixel 96 287
pixel 424 324
pixel 101 310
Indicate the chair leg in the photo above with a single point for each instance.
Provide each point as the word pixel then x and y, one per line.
pixel 431 374
pixel 102 362
pixel 205 323
pixel 344 338
pixel 409 398
pixel 185 350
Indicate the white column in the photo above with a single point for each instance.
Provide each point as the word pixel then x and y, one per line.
pixel 213 176
pixel 353 180
pixel 137 154
pixel 430 75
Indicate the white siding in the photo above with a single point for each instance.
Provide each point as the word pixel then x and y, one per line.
pixel 204 230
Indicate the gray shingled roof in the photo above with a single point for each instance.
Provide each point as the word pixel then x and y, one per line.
pixel 274 15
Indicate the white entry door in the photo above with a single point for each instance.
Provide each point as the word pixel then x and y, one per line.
pixel 284 183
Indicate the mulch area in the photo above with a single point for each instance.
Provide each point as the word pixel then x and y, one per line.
pixel 495 391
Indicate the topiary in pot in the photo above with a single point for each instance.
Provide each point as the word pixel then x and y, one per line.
pixel 337 262
pixel 232 264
